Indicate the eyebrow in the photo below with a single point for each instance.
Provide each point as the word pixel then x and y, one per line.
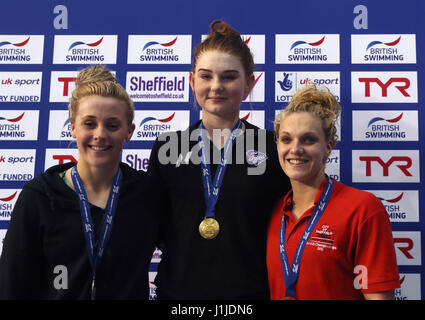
pixel 225 71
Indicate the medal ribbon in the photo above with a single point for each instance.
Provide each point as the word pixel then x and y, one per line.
pixel 95 252
pixel 211 190
pixel 291 273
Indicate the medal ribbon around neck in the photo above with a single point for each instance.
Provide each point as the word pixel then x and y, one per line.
pixel 291 273
pixel 212 189
pixel 95 253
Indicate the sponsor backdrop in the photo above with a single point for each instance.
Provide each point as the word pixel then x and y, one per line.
pixel 368 53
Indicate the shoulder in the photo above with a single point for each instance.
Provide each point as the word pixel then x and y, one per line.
pixel 359 201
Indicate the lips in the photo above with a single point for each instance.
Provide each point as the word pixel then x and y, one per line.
pixel 297 161
pixel 99 148
pixel 217 99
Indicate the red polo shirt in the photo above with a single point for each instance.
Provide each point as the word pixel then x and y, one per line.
pixel 354 230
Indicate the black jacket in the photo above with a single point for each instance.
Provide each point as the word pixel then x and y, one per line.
pixel 46 232
pixel 232 265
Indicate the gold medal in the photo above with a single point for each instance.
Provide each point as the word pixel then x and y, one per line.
pixel 288 298
pixel 209 228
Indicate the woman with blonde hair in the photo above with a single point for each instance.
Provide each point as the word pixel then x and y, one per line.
pixel 85 230
pixel 326 240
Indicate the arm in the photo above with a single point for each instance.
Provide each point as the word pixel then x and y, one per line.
pixel 22 260
pixel 384 295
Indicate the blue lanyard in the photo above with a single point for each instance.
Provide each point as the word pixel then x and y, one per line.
pixel 95 253
pixel 211 190
pixel 290 274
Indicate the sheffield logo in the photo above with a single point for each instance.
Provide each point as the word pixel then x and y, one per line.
pixel 158 86
pixel 385 165
pixel 379 49
pixel 384 87
pixel 304 48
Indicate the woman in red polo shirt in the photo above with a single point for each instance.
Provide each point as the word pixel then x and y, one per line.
pixel 326 240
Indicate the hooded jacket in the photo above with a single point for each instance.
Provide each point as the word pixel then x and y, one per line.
pixel 45 254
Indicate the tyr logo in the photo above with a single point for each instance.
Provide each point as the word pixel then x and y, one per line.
pixel 385 165
pixel 384 86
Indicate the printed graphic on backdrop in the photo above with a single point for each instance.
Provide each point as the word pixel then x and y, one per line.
pixel 85 49
pixel 385 166
pixel 20 86
pixel 332 168
pixel 8 199
pixel 21 49
pixel 59 125
pixel 383 48
pixel 288 82
pixel 410 288
pixel 384 87
pixel 307 48
pixel 159 49
pixel 2 235
pixel 257 93
pixel 401 205
pixel 255 117
pixel 158 86
pixel 408 247
pixel 385 125
pixel 136 158
pixel 18 125
pixel 17 164
pixel 150 124
pixel 59 156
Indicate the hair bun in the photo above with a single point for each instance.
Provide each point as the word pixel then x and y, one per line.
pixel 95 73
pixel 221 28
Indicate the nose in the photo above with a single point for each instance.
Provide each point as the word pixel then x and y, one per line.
pixel 296 147
pixel 99 132
pixel 216 84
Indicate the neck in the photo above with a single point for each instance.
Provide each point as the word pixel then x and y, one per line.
pixel 97 178
pixel 219 128
pixel 304 194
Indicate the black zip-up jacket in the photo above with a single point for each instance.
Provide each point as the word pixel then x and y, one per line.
pixel 45 255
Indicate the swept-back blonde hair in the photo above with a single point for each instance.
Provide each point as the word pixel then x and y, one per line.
pixel 320 102
pixel 98 80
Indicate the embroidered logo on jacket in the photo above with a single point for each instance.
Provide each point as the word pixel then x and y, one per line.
pixel 323 237
pixel 255 157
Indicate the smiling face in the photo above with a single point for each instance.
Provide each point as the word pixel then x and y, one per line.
pixel 302 148
pixel 100 129
pixel 220 84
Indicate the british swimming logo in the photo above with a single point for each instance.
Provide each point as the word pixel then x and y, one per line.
pixel 385 125
pixel 383 48
pixel 159 49
pixel 307 48
pixel 85 49
pixel 153 123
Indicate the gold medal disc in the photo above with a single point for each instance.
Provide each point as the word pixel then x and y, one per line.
pixel 209 228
